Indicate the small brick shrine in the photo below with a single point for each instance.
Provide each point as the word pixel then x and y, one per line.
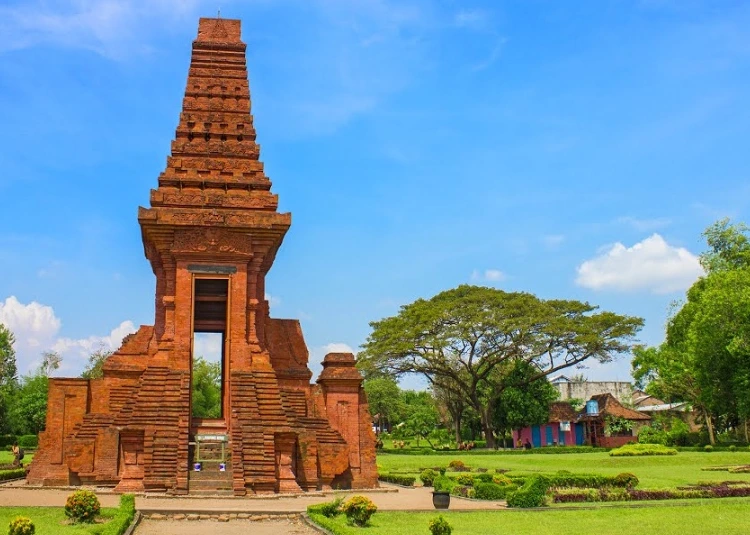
pixel 211 235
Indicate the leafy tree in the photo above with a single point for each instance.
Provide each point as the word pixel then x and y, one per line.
pixel 94 367
pixel 705 358
pixel 206 388
pixel 422 423
pixel 460 337
pixel 383 400
pixel 50 362
pixel 8 369
pixel 8 375
pixel 451 403
pixel 28 412
pixel 523 402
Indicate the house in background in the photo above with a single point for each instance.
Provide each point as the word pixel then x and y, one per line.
pixel 561 428
pixel 655 407
pixel 575 389
pixel 602 409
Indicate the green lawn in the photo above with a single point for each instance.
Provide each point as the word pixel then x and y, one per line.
pixel 727 517
pixel 653 471
pixel 51 520
pixel 7 457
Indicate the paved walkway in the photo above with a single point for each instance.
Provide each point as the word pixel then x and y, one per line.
pixel 394 499
pixel 235 527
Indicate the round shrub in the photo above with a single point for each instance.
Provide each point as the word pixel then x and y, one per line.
pixel 82 506
pixel 465 479
pixel 440 526
pixel 732 448
pixel 708 448
pixel 358 510
pixel 23 526
pixel 428 476
pixel 625 480
pixel 458 466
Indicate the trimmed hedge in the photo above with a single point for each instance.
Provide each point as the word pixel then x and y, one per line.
pixel 427 476
pixel 7 440
pixel 570 480
pixel 493 491
pixel 479 452
pixel 632 450
pixel 16 473
pixel 532 494
pixel 722 490
pixel 407 481
pixel 123 518
pixel 28 442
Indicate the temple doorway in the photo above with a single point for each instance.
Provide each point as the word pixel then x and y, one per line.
pixel 209 363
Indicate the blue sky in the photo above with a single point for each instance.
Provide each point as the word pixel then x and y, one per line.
pixel 570 149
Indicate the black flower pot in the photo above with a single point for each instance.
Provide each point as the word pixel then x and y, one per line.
pixel 441 500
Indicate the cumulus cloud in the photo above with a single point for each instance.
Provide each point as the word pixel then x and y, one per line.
pixel 36 328
pixel 651 265
pixel 490 275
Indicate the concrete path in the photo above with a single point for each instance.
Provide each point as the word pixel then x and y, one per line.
pixel 235 527
pixel 393 499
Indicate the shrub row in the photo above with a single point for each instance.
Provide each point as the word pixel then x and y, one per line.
pixel 27 442
pixel 123 518
pixel 493 491
pixel 16 473
pixel 618 495
pixel 631 450
pixel 567 480
pixel 554 450
pixel 407 481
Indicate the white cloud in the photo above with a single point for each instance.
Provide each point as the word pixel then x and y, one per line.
pixel 36 329
pixel 644 225
pixel 491 275
pixel 651 264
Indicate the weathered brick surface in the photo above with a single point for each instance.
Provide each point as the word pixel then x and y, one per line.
pixel 213 209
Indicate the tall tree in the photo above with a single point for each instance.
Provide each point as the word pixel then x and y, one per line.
pixel 705 358
pixel 206 388
pixel 383 400
pixel 460 337
pixel 94 366
pixel 8 375
pixel 8 369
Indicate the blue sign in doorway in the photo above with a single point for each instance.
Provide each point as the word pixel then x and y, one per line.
pixel 536 436
pixel 579 434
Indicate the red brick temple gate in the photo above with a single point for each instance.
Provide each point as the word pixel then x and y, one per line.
pixel 211 235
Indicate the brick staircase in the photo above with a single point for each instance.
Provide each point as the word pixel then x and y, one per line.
pixel 210 480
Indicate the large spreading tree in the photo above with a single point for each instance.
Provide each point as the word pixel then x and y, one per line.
pixel 461 338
